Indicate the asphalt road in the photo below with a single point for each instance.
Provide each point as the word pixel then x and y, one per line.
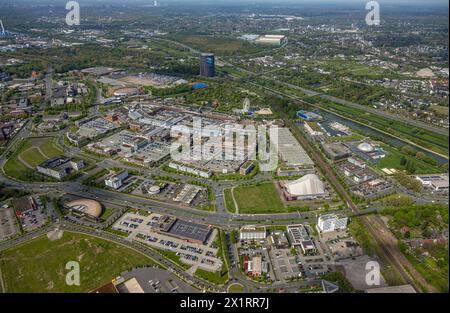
pixel 395 117
pixel 221 218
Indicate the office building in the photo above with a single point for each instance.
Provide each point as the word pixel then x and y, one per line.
pixel 59 167
pixel 436 182
pixel 331 222
pixel 207 65
pixel 115 181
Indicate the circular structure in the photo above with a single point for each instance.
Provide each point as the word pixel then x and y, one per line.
pixel 235 288
pixel 153 190
pixel 126 91
pixel 86 206
pixel 366 147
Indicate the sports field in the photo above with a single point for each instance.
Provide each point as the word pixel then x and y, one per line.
pixel 39 265
pixel 259 199
pixel 21 165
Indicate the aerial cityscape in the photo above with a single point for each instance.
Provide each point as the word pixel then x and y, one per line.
pixel 241 147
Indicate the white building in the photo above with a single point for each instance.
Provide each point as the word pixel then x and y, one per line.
pixel 331 222
pixel 307 187
pixel 191 170
pixel 252 233
pixel 116 180
pixel 435 181
pixel 77 165
pixel 272 39
pixel 311 131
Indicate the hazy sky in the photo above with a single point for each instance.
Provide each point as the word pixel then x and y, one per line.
pixel 239 1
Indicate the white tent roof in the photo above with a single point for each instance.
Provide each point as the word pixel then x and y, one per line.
pixel 308 185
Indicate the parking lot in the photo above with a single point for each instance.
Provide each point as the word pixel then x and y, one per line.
pixel 141 229
pixel 34 219
pixel 155 280
pixel 175 193
pixel 355 271
pixel 285 264
pixel 8 223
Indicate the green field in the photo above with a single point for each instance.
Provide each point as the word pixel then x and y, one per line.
pixel 32 152
pixel 220 44
pixel 259 199
pixel 440 110
pixel 107 213
pixel 39 265
pixel 229 201
pixel 393 160
pixel 424 138
pixel 236 288
pixel 217 278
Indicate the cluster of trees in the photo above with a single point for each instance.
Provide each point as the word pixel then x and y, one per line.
pixel 6 193
pixel 80 57
pixel 408 182
pixel 409 165
pixel 408 150
pixel 339 279
pixel 175 90
pixel 222 94
pixel 281 105
pixel 424 218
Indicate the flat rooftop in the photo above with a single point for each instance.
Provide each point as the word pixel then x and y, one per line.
pixel 55 163
pixel 291 151
pixel 190 230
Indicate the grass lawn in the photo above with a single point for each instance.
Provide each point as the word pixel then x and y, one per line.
pixel 33 151
pixel 218 278
pixel 441 110
pixel 259 199
pixel 39 265
pixel 107 213
pixel 229 201
pixel 221 44
pixel 394 156
pixel 235 288
pixel 33 157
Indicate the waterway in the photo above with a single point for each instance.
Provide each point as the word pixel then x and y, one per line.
pixel 395 142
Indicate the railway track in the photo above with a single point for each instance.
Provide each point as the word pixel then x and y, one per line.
pixel 374 225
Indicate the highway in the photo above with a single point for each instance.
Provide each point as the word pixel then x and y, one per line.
pixel 236 276
pixel 395 117
pixel 221 217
